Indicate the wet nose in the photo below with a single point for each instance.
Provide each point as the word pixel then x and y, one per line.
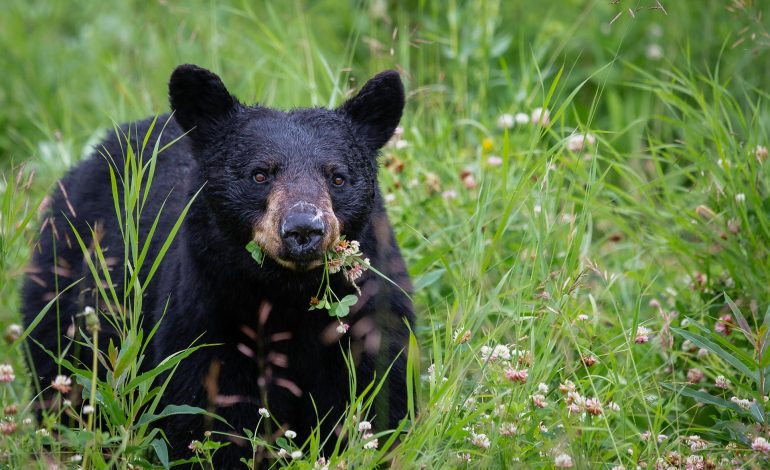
pixel 302 231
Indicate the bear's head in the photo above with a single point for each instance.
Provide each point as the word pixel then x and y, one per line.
pixel 294 181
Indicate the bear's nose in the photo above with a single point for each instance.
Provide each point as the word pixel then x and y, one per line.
pixel 302 232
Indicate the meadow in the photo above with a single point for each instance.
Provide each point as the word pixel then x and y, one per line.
pixel 579 188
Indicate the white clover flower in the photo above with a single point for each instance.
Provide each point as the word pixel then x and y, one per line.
pixel 562 461
pixel 88 409
pixel 740 198
pixel 760 444
pixel 481 440
pixel 579 142
pixel 505 121
pixel 290 434
pixel 521 118
pixel 296 455
pixel 62 384
pixel 6 373
pixel 722 382
pixel 654 52
pixel 264 413
pixel 542 387
pixel 540 116
pixel 364 426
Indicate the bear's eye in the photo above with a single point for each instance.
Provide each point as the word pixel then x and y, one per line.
pixel 260 177
pixel 338 180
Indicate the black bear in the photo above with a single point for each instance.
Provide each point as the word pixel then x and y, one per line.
pixel 296 183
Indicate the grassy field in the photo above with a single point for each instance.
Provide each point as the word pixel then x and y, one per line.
pixel 580 192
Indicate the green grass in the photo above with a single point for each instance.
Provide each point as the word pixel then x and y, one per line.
pixel 561 255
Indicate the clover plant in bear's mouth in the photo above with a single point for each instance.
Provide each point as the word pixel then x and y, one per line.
pixel 344 256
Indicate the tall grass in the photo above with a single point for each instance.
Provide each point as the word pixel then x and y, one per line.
pixel 560 256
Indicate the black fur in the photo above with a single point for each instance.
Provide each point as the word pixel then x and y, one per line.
pixel 208 280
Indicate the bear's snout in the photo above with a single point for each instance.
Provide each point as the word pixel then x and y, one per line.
pixel 302 231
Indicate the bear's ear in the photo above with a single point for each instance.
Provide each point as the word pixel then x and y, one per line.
pixel 377 108
pixel 199 99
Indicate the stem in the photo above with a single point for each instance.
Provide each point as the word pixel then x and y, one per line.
pixel 92 398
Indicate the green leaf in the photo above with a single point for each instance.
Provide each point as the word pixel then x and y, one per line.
pixel 171 410
pixel 256 252
pixel 159 445
pixel 711 346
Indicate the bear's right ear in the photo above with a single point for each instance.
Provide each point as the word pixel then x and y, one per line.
pixel 376 109
pixel 199 99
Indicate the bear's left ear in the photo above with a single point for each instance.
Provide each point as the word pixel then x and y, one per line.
pixel 199 100
pixel 377 108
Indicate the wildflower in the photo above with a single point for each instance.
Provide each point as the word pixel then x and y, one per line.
pixel 461 338
pixel 760 444
pixel 722 382
pixel 433 182
pixel 740 198
pixel 290 434
pixel 696 443
pixel 521 118
pixel 76 458
pixel 654 303
pixel 92 320
pixel 195 446
pixel 10 410
pixel 645 436
pixel 734 226
pixel 500 351
pixel 741 402
pixel 505 121
pixel 283 453
pixel 612 406
pixel 724 325
pixel 705 212
pixel 574 408
pixel 578 142
pixel 582 317
pixel 465 457
pixel 321 463
pixel 494 160
pixel 540 116
pixel 508 429
pixel 481 440
pixel 516 376
pixel 542 388
pixel 66 403
pixel 355 272
pixel 449 194
pixel 661 438
pixel 6 373
pixel 469 181
pixel 342 328
pixel 487 144
pixel 88 409
pixel 589 360
pixel 26 421
pixel 43 432
pixel 654 52
pixel 593 406
pixel 364 426
pixel 62 384
pixel 370 444
pixel 642 335
pixel 539 400
pixel 695 376
pixel 296 455
pixel 390 197
pixel 761 153
pixel 13 332
pixel 567 386
pixel 562 461
pixel 264 413
pixel 7 427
